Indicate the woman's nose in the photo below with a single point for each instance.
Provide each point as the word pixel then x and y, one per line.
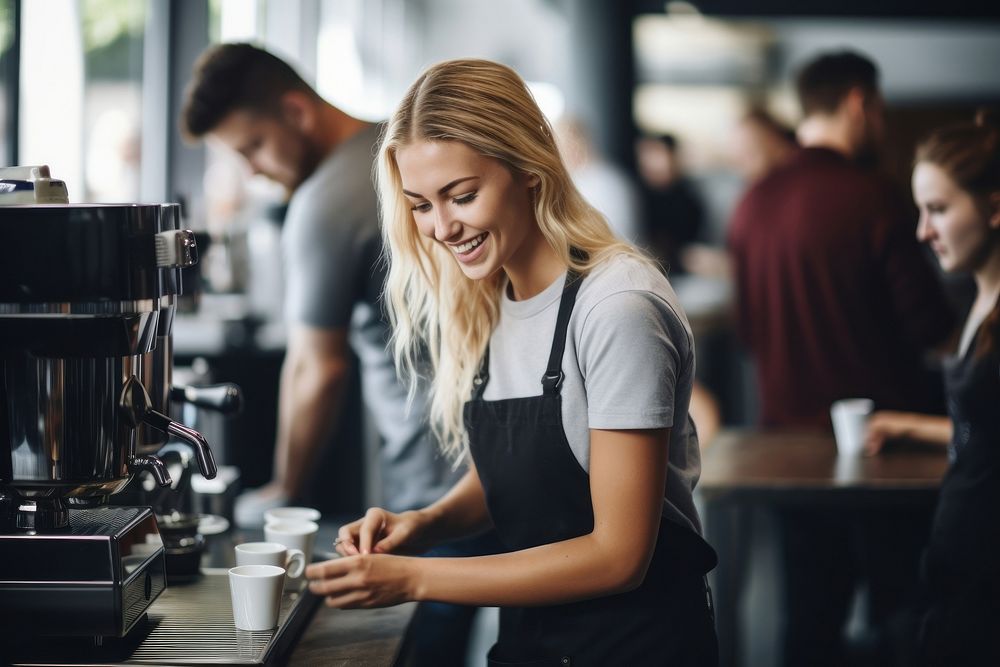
pixel 446 227
pixel 924 230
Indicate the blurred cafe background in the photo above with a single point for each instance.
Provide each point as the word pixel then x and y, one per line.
pixel 93 89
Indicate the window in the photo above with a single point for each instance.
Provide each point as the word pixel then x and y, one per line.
pixel 81 94
pixel 8 60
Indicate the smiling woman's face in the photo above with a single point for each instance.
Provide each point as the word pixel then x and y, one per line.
pixel 472 204
pixel 951 220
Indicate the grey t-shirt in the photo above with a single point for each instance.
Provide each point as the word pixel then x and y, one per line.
pixel 334 276
pixel 628 364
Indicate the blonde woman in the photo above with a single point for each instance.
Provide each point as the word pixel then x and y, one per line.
pixel 561 368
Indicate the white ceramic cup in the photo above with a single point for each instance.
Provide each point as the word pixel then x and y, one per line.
pixel 294 534
pixel 291 514
pixel 850 424
pixel 256 592
pixel 272 553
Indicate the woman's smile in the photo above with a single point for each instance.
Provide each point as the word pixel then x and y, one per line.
pixel 471 250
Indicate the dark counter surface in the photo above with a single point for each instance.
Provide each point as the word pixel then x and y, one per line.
pixel 370 637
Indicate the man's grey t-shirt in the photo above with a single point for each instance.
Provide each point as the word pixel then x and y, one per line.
pixel 334 277
pixel 628 364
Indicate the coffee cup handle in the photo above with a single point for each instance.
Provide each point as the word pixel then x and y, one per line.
pixel 295 563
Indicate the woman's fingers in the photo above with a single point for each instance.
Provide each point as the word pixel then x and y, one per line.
pixel 339 582
pixel 390 542
pixel 346 543
pixel 372 527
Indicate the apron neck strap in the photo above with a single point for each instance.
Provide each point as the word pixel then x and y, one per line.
pixel 482 376
pixel 553 378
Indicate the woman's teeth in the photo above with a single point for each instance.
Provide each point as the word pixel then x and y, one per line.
pixel 469 245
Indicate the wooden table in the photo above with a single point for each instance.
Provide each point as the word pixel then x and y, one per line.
pixel 743 469
pixel 349 637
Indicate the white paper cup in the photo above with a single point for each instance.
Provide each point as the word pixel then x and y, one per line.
pixel 256 592
pixel 294 534
pixel 291 514
pixel 850 424
pixel 272 553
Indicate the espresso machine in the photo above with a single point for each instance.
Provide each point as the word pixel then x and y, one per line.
pixel 83 292
pixel 173 504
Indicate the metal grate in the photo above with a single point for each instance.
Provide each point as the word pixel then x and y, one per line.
pixel 102 521
pixel 193 625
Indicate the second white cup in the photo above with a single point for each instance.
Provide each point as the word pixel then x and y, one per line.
pixel 256 592
pixel 850 424
pixel 291 514
pixel 294 534
pixel 272 553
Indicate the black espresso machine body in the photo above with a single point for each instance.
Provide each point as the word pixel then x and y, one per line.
pixel 81 289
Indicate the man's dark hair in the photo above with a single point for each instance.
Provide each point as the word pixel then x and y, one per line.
pixel 823 83
pixel 230 77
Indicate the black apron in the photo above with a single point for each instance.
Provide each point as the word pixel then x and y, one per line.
pixel 962 562
pixel 537 493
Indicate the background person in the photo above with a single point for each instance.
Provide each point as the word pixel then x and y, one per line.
pixel 956 185
pixel 606 186
pixel 675 212
pixel 562 369
pixel 761 143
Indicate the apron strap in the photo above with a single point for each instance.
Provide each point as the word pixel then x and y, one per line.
pixel 482 376
pixel 553 377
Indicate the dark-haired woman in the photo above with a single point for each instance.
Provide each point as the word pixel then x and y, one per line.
pixel 956 184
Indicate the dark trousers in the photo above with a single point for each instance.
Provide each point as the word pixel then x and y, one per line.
pixel 827 553
pixel 438 634
pixel 959 632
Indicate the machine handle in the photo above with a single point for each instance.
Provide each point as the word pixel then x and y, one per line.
pixel 155 466
pixel 176 249
pixel 225 398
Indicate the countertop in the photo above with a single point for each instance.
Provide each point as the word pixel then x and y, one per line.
pixel 370 637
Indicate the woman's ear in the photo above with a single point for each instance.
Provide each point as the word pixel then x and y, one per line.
pixel 533 181
pixel 994 210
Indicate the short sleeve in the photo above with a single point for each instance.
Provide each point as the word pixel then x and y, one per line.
pixel 633 352
pixel 321 266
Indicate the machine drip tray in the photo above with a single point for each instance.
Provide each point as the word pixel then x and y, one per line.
pixel 189 624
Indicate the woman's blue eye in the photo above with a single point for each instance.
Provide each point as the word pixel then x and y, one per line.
pixel 421 208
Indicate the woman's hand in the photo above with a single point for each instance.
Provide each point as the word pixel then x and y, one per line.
pixel 364 581
pixel 383 532
pixel 886 425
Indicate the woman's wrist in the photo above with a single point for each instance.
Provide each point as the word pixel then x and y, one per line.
pixel 416 579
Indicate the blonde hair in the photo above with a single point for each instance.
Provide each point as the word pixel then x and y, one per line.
pixel 437 313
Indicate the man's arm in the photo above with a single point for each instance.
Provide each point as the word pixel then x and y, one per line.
pixel 312 385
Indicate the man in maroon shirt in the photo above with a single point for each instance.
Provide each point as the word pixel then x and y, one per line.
pixel 835 300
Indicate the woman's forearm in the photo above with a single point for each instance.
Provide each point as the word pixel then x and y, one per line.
pixel 933 429
pixel 561 572
pixel 459 513
pixel 886 425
